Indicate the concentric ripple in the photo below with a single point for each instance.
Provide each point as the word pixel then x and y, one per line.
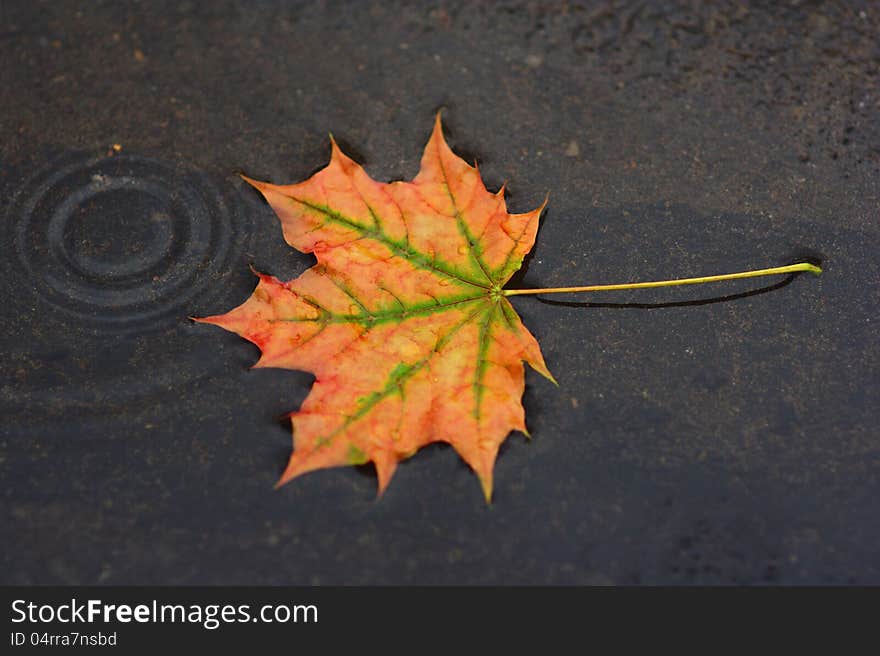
pixel 124 243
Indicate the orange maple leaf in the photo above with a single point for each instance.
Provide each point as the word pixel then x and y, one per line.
pixel 403 320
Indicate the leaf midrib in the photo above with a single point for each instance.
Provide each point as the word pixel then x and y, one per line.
pixel 374 318
pixel 401 249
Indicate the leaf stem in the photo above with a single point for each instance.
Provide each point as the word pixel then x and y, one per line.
pixel 791 268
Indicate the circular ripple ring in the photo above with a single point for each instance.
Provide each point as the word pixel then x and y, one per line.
pixel 123 243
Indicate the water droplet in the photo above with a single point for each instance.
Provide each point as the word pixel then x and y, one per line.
pixel 445 282
pixel 462 250
pixel 354 309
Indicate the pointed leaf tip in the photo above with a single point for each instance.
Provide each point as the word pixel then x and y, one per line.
pixel 294 468
pixel 335 150
pixel 486 486
pixel 214 319
pixel 385 464
pixel 437 132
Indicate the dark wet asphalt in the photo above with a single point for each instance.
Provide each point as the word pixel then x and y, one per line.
pixel 727 442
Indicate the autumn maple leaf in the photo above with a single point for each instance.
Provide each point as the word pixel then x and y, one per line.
pixel 405 321
pixel 402 321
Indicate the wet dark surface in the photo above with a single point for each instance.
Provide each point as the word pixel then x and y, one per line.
pixel 728 442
